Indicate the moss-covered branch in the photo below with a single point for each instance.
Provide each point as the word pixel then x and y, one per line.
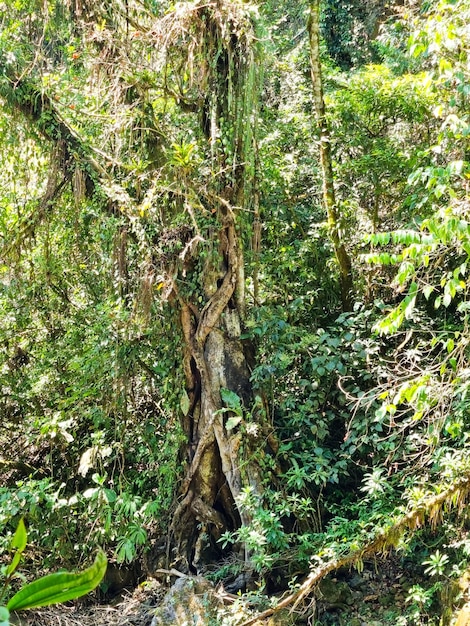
pixel 328 191
pixel 431 509
pixel 23 96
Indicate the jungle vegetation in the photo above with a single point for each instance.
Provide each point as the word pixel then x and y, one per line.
pixel 234 248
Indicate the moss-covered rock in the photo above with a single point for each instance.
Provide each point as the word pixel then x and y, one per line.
pixel 189 601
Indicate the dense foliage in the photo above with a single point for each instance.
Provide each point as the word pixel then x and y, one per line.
pixel 180 381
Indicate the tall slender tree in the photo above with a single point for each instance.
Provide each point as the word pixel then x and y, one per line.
pixel 328 188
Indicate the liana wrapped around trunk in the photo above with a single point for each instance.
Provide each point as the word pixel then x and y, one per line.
pixel 216 366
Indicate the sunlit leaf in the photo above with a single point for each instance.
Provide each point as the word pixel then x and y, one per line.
pixel 185 403
pixel 18 544
pixel 59 587
pixel 232 422
pixel 4 616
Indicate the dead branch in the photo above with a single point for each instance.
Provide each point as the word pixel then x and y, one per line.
pixel 172 572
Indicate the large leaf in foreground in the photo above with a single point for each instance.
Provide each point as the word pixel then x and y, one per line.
pixel 4 616
pixel 59 587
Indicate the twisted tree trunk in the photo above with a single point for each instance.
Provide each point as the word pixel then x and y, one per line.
pixel 216 362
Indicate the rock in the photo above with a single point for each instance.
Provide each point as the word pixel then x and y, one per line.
pixel 334 593
pixel 357 582
pixel 191 600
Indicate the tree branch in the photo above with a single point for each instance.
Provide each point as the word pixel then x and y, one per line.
pixel 37 107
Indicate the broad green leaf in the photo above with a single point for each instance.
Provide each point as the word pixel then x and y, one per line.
pixel 410 307
pixel 4 616
pixel 406 270
pixel 185 403
pixel 231 400
pixel 18 543
pixel 91 492
pixel 456 167
pixel 447 299
pixel 427 291
pixel 110 495
pixel 331 365
pixel 87 460
pixel 59 587
pixel 410 301
pixel 20 537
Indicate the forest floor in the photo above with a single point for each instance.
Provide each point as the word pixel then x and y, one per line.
pixel 129 609
pixel 375 597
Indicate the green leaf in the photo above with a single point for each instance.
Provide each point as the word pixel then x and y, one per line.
pixel 59 587
pixel 232 422
pixel 410 307
pixel 231 400
pixel 20 537
pixel 4 616
pixel 185 403
pixel 406 270
pixel 110 495
pixel 18 543
pixel 447 299
pixel 427 291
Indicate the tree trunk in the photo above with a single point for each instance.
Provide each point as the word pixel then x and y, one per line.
pixel 215 360
pixel 215 356
pixel 328 190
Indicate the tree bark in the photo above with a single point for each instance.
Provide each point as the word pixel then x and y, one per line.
pixel 328 189
pixel 215 360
